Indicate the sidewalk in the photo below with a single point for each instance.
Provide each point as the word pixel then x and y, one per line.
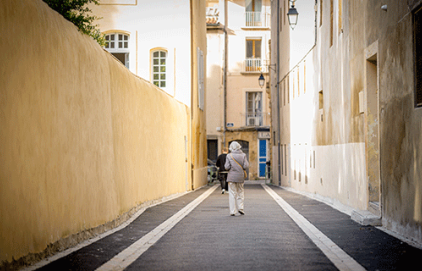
pixel 265 238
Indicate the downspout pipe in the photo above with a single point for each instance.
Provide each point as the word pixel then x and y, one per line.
pixel 225 72
pixel 278 93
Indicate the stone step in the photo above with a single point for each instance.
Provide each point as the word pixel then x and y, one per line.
pixel 366 218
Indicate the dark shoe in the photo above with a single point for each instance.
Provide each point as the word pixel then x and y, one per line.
pixel 232 215
pixel 241 212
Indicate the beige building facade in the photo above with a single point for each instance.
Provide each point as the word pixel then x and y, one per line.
pixel 346 108
pixel 238 34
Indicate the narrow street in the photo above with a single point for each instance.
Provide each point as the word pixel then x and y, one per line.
pixel 280 230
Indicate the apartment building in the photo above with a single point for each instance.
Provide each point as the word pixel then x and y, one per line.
pixel 238 34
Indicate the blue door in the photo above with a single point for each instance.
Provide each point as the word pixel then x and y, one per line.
pixel 262 157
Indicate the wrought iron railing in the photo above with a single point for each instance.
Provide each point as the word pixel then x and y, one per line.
pixel 257 19
pixel 255 65
pixel 212 16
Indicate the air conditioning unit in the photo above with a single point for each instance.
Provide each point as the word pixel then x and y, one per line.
pixel 253 121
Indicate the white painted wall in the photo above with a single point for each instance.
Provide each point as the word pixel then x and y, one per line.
pixel 149 27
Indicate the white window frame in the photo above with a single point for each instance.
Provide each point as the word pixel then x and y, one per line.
pixel 257 115
pixel 118 43
pixel 254 63
pixel 159 65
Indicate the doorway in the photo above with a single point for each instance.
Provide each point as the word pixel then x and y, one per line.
pixel 262 160
pixel 372 141
pixel 212 147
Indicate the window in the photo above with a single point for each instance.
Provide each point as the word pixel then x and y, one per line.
pixel 212 147
pixel 320 12
pixel 159 66
pixel 294 84
pixel 304 77
pixel 288 89
pixel 321 105
pixel 201 90
pixel 118 46
pixel 417 36
pixel 321 100
pixel 253 12
pixel 331 22
pixel 253 54
pixel 340 19
pixel 283 93
pixel 298 81
pixel 281 19
pixel 254 108
pixel 285 159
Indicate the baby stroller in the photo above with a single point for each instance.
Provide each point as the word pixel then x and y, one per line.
pixel 212 172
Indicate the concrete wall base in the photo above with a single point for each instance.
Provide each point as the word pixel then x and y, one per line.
pixel 366 218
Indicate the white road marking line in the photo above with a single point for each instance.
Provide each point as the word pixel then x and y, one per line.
pixel 133 252
pixel 336 255
pixel 66 252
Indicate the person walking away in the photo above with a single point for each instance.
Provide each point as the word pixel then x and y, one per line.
pixel 236 163
pixel 222 173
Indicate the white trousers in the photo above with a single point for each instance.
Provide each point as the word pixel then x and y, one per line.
pixel 236 197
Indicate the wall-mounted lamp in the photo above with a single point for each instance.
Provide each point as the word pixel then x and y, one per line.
pixel 292 15
pixel 261 80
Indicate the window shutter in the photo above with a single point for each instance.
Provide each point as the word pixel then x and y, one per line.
pixel 418 56
pixel 201 90
pixel 331 22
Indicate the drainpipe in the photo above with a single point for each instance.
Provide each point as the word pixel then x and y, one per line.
pixel 225 72
pixel 278 93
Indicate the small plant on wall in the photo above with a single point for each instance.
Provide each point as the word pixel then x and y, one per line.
pixel 76 12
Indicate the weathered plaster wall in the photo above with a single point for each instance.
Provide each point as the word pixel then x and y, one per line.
pixel 79 145
pixel 400 121
pixel 322 149
pixel 366 147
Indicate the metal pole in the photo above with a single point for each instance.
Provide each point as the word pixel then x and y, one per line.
pixel 225 72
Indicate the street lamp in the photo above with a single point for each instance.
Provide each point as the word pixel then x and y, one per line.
pixel 261 80
pixel 292 15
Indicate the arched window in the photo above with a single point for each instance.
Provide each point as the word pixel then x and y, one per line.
pixel 118 46
pixel 159 68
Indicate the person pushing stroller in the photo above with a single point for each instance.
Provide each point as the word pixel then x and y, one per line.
pixel 222 173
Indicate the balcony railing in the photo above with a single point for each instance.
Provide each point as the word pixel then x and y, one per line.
pixel 257 19
pixel 254 65
pixel 212 16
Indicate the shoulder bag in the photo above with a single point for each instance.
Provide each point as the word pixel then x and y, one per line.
pixel 244 171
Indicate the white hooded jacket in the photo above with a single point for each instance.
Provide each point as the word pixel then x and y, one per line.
pixel 236 174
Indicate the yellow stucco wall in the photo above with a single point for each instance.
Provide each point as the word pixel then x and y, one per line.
pixel 83 140
pixel 199 134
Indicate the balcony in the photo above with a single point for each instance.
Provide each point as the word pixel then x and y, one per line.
pixel 254 65
pixel 257 19
pixel 212 16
